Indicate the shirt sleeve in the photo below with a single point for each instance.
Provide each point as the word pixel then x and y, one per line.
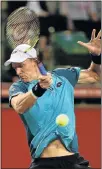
pixel 71 74
pixel 15 89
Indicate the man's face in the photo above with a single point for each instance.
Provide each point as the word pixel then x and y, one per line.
pixel 26 70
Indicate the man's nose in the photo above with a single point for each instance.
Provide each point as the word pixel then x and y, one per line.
pixel 18 71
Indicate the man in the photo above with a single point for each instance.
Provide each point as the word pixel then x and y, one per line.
pixel 39 99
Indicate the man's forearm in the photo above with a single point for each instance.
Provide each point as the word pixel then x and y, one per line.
pixel 22 102
pixel 95 67
pixel 90 75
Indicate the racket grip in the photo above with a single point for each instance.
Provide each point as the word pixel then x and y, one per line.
pixel 42 69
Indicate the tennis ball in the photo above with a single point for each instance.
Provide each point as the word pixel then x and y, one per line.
pixel 62 120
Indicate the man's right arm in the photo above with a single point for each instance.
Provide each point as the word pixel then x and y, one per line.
pixel 23 101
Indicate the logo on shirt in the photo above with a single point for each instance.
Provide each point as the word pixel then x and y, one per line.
pixel 59 84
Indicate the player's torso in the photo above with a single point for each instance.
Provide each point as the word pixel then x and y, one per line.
pixel 40 118
pixel 56 100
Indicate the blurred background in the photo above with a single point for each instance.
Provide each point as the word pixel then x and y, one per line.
pixel 62 24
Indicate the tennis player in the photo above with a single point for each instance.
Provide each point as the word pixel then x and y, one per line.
pixel 39 99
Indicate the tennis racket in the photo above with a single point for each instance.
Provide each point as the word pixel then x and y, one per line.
pixel 23 27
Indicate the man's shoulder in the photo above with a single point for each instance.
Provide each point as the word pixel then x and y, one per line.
pixel 62 71
pixel 70 73
pixel 19 83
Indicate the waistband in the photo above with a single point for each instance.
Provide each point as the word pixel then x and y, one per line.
pixel 67 158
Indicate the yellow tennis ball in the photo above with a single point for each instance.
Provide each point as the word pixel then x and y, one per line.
pixel 62 120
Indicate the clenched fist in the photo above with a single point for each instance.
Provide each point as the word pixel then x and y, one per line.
pixel 45 81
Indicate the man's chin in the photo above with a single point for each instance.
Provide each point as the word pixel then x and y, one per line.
pixel 26 80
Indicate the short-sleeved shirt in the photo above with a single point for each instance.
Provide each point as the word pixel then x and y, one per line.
pixel 40 119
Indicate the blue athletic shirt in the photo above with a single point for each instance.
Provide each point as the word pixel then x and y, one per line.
pixel 39 120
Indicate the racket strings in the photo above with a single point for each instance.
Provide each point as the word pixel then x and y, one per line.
pixel 22 27
pixel 22 14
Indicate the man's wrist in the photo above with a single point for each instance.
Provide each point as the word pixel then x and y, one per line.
pixel 96 58
pixel 35 97
pixel 38 91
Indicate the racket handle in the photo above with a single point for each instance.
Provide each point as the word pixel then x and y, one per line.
pixel 42 69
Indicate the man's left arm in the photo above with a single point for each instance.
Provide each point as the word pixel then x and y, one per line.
pixel 92 74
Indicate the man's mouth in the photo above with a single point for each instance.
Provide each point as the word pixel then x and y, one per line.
pixel 22 77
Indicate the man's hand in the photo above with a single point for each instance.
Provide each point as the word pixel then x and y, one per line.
pixel 94 45
pixel 45 81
